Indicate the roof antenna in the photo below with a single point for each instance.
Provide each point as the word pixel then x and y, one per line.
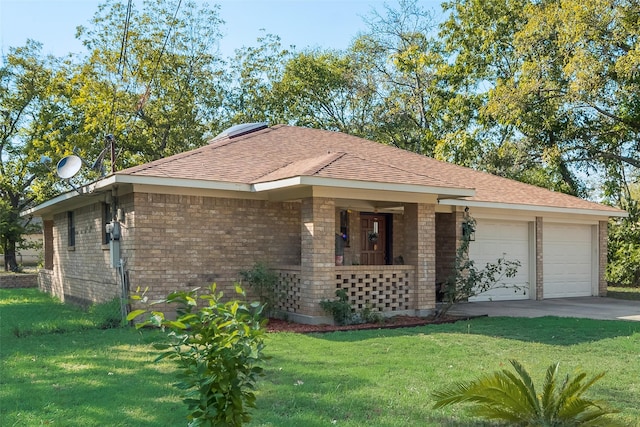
pixel 112 148
pixel 98 165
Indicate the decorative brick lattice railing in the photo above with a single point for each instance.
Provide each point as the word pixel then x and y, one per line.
pixel 289 289
pixel 384 288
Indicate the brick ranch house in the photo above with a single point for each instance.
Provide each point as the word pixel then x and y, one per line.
pixel 285 195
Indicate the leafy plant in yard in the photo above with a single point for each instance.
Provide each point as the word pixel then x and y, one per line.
pixel 343 314
pixel 513 398
pixel 466 280
pixel 340 309
pixel 217 348
pixel 264 282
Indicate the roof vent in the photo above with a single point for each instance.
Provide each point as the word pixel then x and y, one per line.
pixel 239 130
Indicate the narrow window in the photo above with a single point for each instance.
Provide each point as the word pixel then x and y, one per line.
pixel 106 219
pixel 71 229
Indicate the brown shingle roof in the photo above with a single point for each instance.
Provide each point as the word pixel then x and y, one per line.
pixel 283 151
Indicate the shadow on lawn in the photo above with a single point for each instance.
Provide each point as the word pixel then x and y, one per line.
pixel 87 378
pixel 552 330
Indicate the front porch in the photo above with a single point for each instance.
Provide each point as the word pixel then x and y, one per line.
pixel 387 265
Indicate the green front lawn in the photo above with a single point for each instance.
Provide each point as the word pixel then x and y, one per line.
pixel 77 375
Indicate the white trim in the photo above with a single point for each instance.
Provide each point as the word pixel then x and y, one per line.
pixel 176 182
pixel 533 208
pixel 113 180
pixel 65 196
pixel 363 185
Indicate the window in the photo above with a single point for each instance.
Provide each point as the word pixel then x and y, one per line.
pixel 106 219
pixel 71 229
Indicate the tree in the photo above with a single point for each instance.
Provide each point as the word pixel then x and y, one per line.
pixel 623 267
pixel 255 71
pixel 26 104
pixel 326 89
pixel 558 81
pixel 151 78
pixel 404 62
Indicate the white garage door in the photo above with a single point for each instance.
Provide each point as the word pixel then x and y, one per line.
pixel 495 239
pixel 567 268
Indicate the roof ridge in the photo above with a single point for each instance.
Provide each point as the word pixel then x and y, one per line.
pixel 163 160
pixel 393 166
pixel 311 170
pixel 333 156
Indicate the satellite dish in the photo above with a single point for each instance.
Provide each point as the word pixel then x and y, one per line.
pixel 68 166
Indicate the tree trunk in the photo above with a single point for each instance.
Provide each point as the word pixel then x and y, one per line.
pixel 10 262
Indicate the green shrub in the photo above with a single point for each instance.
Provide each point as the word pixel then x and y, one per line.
pixel 514 399
pixel 343 314
pixel 264 282
pixel 368 315
pixel 340 309
pixel 217 348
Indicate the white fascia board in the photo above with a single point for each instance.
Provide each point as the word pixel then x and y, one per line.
pixel 113 180
pixel 360 185
pixel 532 208
pixel 175 182
pixel 61 198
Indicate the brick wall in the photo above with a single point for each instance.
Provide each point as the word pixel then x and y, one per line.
pixel 603 236
pixel 539 227
pixel 448 234
pixel 88 276
pixel 420 247
pixel 182 242
pixel 318 249
pixel 170 242
pixel 12 281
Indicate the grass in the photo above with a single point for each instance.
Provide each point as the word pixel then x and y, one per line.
pixel 85 376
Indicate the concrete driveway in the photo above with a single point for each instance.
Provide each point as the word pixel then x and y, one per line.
pixel 588 307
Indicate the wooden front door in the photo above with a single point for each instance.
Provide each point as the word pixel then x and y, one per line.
pixel 373 239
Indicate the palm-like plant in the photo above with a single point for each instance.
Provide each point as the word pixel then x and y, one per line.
pixel 506 396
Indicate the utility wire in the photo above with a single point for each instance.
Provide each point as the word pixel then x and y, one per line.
pixel 125 37
pixel 147 93
pixel 122 59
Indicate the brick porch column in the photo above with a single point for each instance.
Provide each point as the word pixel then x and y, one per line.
pixel 420 244
pixel 317 258
pixel 603 236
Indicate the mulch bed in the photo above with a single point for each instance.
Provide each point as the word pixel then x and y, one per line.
pixel 278 325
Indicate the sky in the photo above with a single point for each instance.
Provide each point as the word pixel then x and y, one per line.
pixel 303 23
